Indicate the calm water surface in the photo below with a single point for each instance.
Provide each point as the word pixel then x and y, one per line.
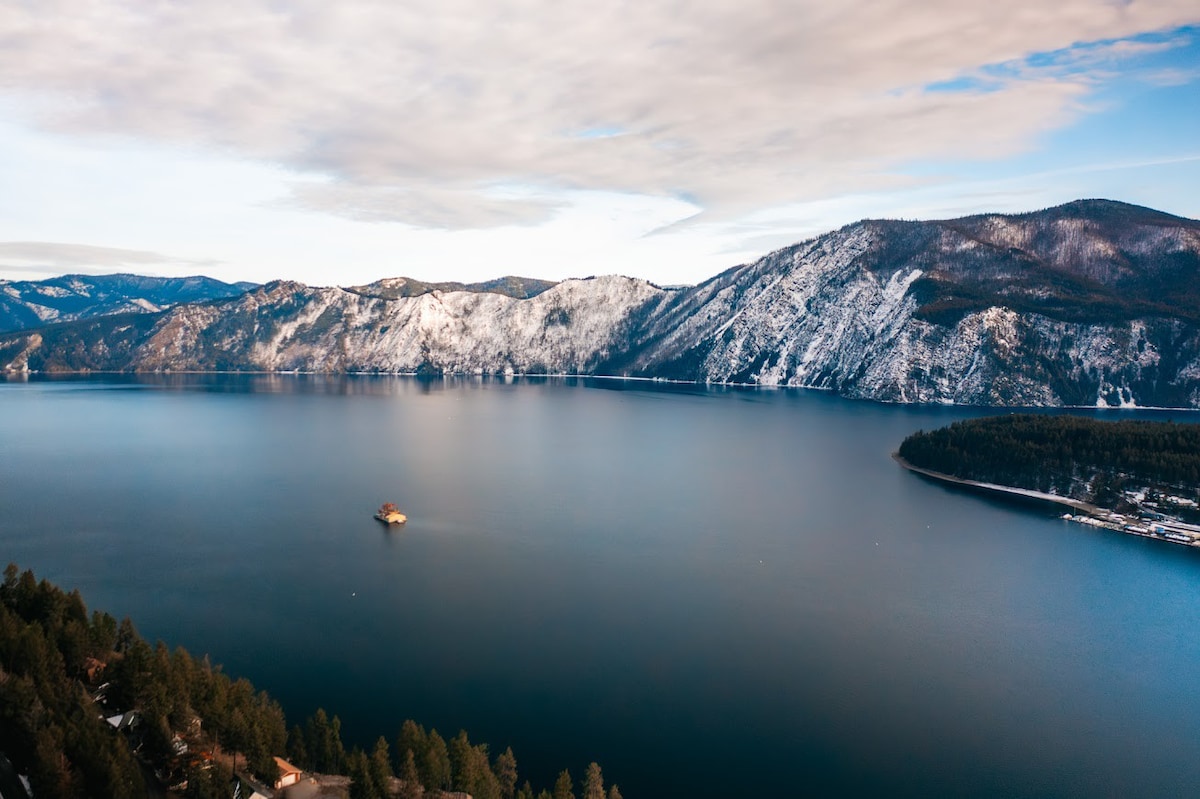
pixel 711 593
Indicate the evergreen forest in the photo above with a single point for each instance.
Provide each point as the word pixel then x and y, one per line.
pixel 90 709
pixel 1073 456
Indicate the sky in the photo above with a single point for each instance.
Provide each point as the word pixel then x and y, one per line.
pixel 338 143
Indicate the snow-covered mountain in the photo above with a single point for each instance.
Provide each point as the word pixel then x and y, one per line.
pixel 571 327
pixel 391 288
pixel 1090 303
pixel 27 304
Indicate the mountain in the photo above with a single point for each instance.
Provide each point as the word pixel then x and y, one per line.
pixel 393 288
pixel 26 304
pixel 1090 303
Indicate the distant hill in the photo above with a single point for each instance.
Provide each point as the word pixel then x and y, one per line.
pixel 520 288
pixel 1092 303
pixel 26 304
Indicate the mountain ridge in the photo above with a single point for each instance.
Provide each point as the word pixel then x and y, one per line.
pixel 521 288
pixel 29 304
pixel 1093 302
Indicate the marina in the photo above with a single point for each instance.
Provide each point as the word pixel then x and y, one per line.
pixel 1147 524
pixel 1175 532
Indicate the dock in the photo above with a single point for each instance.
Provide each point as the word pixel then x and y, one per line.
pixel 1169 530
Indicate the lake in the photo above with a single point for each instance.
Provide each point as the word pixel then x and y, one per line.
pixel 711 593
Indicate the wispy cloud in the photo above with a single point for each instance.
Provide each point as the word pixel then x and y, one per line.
pixel 413 111
pixel 1082 62
pixel 1172 76
pixel 443 207
pixel 48 257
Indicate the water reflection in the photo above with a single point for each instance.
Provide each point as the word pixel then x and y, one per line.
pixel 711 592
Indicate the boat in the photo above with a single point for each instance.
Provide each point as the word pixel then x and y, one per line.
pixel 388 513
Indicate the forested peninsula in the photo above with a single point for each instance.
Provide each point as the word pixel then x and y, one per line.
pixel 1137 476
pixel 88 708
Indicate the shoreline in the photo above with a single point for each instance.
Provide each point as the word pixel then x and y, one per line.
pixel 19 373
pixel 1090 515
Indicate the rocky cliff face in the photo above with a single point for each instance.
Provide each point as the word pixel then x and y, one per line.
pixel 569 328
pixel 1091 303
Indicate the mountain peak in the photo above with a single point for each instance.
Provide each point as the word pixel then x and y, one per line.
pixel 1097 210
pixel 1092 302
pixel 393 288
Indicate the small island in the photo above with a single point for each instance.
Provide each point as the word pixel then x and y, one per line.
pixel 1136 477
pixel 389 514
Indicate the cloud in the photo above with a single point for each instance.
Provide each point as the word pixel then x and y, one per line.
pixel 1169 76
pixel 425 206
pixel 413 111
pixel 1086 62
pixel 57 257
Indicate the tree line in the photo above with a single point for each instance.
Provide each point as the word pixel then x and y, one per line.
pixel 1064 454
pixel 425 762
pixel 62 670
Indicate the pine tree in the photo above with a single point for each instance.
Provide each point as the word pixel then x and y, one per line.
pixel 11 573
pixel 359 771
pixel 593 782
pixel 563 786
pixel 411 787
pixel 484 784
pixel 505 770
pixel 103 634
pixel 437 762
pixel 126 635
pixel 325 743
pixel 381 766
pixel 297 749
pixel 462 774
pixel 414 739
pixel 51 774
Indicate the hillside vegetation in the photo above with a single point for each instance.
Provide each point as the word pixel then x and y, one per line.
pixel 1068 455
pixel 177 722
